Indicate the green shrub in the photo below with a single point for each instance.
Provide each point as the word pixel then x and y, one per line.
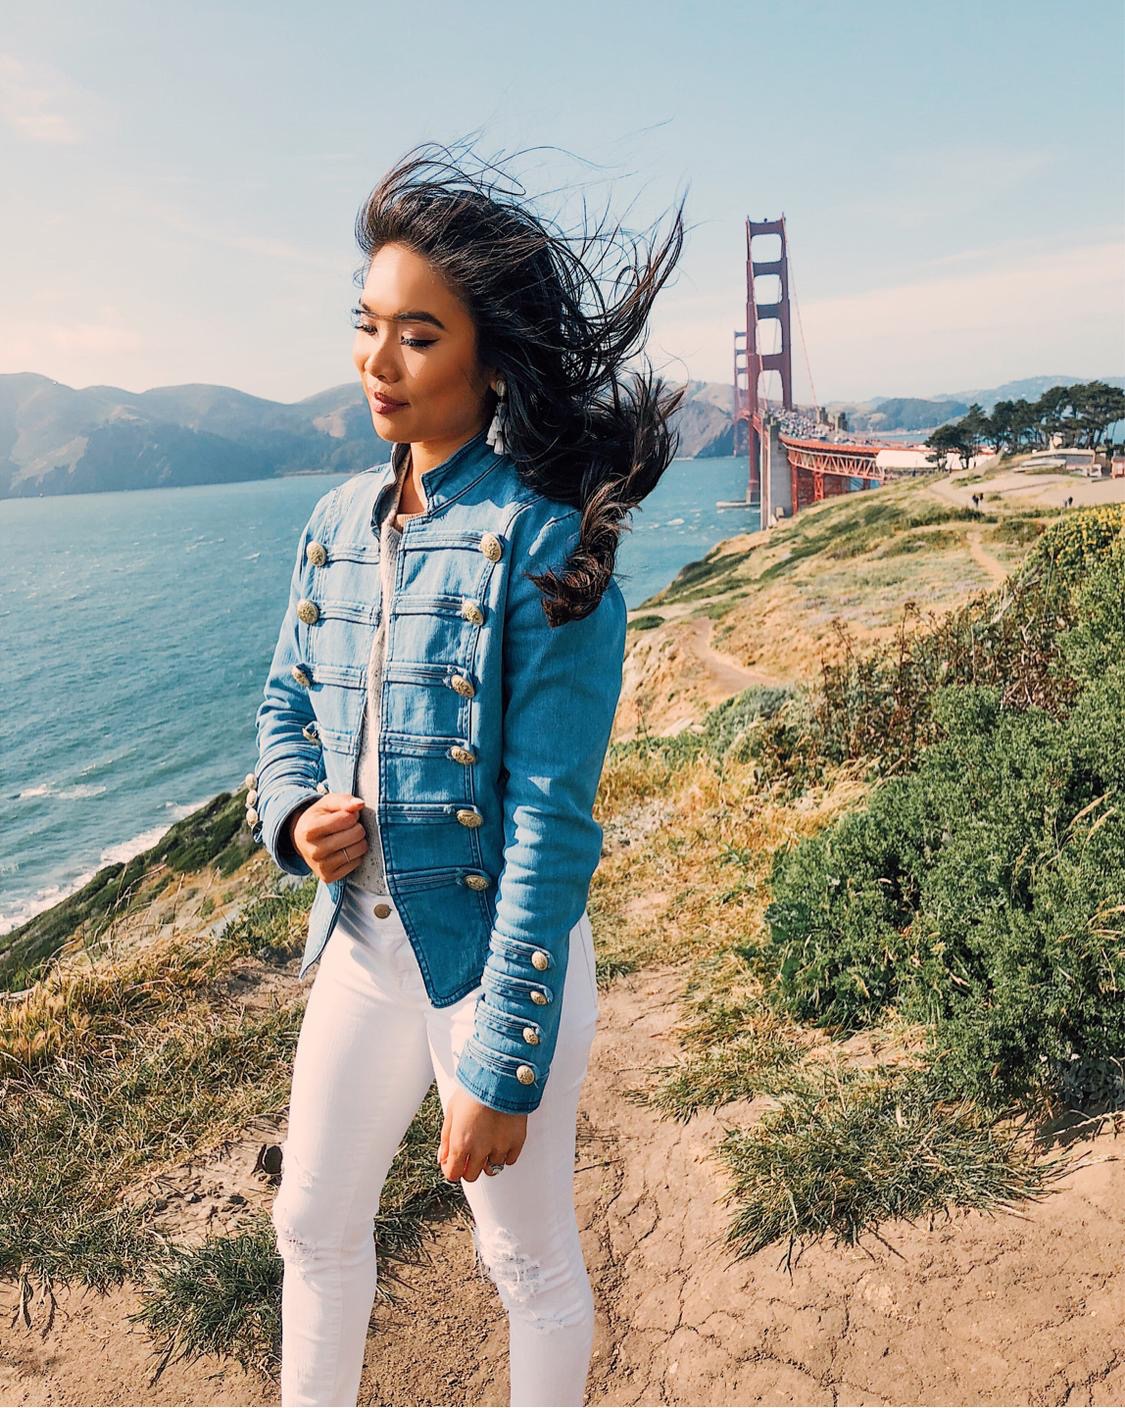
pixel 984 893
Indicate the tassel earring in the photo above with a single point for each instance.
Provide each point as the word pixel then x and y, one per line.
pixel 499 420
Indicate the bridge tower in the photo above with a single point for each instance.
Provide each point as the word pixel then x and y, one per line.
pixel 747 373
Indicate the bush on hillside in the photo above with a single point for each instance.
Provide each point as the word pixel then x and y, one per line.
pixel 983 892
pixel 877 705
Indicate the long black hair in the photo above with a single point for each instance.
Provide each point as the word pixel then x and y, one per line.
pixel 580 428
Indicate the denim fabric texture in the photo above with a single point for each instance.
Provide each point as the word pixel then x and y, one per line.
pixel 493 736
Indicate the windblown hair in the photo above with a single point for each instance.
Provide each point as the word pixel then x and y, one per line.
pixel 580 428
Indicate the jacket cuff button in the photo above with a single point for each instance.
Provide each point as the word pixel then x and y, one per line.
pixel 525 1074
pixel 540 960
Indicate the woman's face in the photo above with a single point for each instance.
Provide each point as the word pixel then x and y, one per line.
pixel 416 344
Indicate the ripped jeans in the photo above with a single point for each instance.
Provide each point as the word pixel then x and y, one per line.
pixel 370 1046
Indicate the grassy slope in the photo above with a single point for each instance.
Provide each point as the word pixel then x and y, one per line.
pixel 145 989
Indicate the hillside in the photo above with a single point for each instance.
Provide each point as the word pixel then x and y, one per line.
pixel 775 1207
pixel 55 439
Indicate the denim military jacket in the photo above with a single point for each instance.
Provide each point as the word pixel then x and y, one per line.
pixel 495 727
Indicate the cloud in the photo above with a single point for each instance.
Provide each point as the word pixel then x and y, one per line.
pixel 68 342
pixel 33 102
pixel 1009 316
pixel 1047 288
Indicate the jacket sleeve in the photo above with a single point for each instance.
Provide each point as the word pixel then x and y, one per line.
pixel 290 762
pixel 561 689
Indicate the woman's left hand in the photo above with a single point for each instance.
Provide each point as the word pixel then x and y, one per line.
pixel 473 1135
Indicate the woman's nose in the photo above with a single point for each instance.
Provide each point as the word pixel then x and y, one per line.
pixel 379 362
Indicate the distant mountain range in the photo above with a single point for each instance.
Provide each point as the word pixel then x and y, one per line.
pixel 913 413
pixel 55 439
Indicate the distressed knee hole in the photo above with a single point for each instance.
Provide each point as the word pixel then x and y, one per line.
pixel 292 1208
pixel 519 1280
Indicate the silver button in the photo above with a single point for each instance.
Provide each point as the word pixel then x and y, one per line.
pixel 462 755
pixel 251 817
pixel 250 780
pixel 469 818
pixel 472 612
pixel 540 960
pixel 300 676
pixel 525 1075
pixel 477 882
pixel 490 546
pixel 463 686
pixel 539 996
pixel 381 911
pixel 531 1036
pixel 308 611
pixel 317 554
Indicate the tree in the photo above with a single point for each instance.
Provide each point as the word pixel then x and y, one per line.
pixel 974 429
pixel 946 440
pixel 1097 405
pixel 999 426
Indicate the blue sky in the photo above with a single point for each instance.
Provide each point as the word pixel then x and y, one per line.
pixel 182 182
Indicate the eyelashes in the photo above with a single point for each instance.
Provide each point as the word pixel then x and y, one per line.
pixel 358 315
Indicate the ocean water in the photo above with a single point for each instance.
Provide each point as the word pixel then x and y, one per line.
pixel 137 630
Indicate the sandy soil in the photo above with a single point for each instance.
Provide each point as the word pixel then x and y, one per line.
pixel 1015 1307
pixel 1018 490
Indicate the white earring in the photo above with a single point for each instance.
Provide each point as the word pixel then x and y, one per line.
pixel 499 420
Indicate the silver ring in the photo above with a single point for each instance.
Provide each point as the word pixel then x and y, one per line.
pixel 494 1168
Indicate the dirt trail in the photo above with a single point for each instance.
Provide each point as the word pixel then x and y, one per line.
pixel 990 565
pixel 1007 1308
pixel 725 672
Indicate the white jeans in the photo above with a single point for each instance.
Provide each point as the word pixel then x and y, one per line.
pixel 369 1048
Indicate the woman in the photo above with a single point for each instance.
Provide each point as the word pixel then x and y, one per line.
pixel 432 736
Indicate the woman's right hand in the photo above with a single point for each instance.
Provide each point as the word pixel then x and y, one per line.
pixel 323 830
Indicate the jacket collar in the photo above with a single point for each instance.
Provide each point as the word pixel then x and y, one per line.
pixel 444 481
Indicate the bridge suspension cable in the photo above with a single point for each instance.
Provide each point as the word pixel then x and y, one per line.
pixel 800 326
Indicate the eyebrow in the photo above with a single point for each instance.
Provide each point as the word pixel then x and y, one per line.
pixel 418 315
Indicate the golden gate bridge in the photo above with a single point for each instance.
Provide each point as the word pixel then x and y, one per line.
pixel 793 457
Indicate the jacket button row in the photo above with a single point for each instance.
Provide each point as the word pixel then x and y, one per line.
pixel 539 996
pixel 462 686
pixel 251 817
pixel 250 780
pixel 300 676
pixel 525 1075
pixel 491 547
pixel 308 611
pixel 252 797
pixel 469 818
pixel 540 960
pixel 531 1036
pixel 472 612
pixel 317 554
pixel 460 754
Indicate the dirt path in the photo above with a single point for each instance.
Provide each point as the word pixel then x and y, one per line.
pixel 991 566
pixel 1013 1307
pixel 727 675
